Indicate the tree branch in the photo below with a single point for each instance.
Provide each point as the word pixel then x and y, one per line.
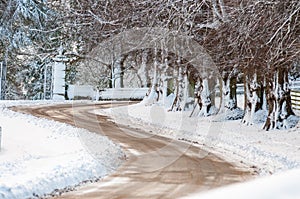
pixel 286 21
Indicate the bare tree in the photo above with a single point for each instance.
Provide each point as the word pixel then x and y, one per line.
pixel 264 44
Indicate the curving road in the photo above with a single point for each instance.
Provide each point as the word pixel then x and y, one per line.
pixel 155 167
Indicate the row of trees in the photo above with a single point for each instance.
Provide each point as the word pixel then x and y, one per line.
pixel 261 42
pixel 255 42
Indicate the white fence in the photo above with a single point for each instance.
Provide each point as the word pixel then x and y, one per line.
pixel 295 95
pixel 87 92
pixel 81 92
pixel 295 85
pixel 239 89
pixel 123 93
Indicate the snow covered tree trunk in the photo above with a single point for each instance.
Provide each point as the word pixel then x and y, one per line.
pixel 111 82
pixel 181 82
pixel 178 91
pixel 164 87
pixel 177 79
pixel 183 89
pixel 252 98
pixel 197 98
pixel 279 101
pixel 154 92
pixel 118 72
pixel 143 71
pixel 164 75
pixel 206 100
pixel 233 97
pixel 264 96
pixel 229 97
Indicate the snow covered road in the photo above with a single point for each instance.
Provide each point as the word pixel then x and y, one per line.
pixel 156 167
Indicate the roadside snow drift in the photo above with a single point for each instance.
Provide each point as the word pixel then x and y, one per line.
pixel 281 186
pixel 39 156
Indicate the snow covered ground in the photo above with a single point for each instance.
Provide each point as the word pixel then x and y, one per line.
pixel 39 156
pixel 279 186
pixel 274 152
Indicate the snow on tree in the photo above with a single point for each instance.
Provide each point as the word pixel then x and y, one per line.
pixel 270 45
pixel 23 30
pixel 259 39
pixel 221 45
pixel 254 41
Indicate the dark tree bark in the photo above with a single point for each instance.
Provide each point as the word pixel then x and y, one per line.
pixel 279 101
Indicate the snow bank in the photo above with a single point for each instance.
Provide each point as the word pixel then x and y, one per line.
pixel 281 186
pixel 39 156
pixel 267 152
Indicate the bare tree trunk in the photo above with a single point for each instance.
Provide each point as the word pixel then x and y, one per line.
pixel 264 96
pixel 252 102
pixel 206 97
pixel 111 82
pixel 143 71
pixel 154 91
pixel 177 78
pixel 279 101
pixel 118 72
pixel 197 98
pixel 184 89
pixel 229 97
pixel 164 75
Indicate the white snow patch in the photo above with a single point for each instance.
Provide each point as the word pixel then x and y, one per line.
pixel 234 114
pixel 280 186
pixel 39 156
